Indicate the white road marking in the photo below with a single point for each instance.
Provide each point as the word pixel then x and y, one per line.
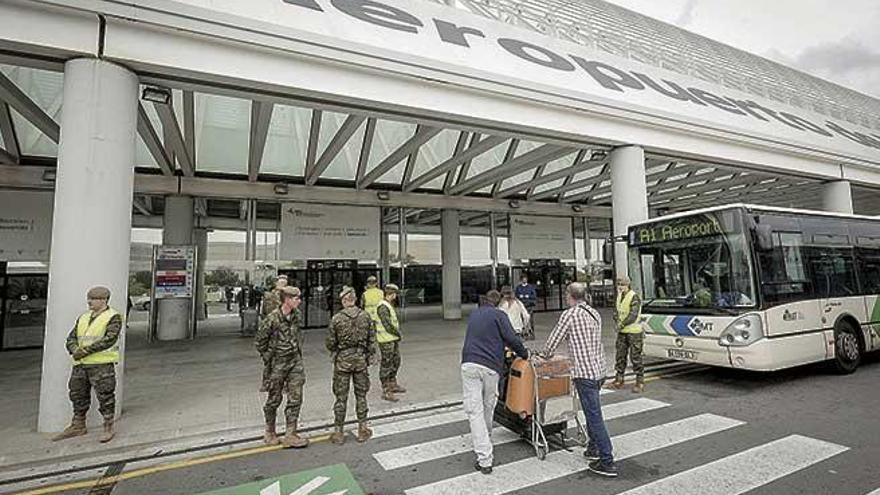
pixel 529 472
pixel 407 425
pixel 273 489
pixel 310 486
pixel 746 470
pixel 429 451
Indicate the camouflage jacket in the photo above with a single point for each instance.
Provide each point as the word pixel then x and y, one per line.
pixel 271 302
pixel 279 335
pixel 351 338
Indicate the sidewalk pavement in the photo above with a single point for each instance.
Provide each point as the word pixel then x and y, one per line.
pixel 206 390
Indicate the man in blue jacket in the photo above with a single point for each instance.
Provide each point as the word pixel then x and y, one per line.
pixel 482 362
pixel 527 293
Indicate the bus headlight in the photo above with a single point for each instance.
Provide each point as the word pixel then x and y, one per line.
pixel 742 331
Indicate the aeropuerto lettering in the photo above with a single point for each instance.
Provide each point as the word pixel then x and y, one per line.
pixel 605 75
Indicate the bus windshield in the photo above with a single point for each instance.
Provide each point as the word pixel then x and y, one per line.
pixel 700 262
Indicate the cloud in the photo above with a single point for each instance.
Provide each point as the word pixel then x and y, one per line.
pixel 686 16
pixel 847 62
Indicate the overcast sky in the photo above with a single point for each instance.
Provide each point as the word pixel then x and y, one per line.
pixel 838 40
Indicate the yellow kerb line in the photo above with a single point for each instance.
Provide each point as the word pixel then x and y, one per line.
pixel 98 482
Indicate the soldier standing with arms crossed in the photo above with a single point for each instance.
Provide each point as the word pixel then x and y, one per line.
pixel 388 336
pixel 271 302
pixel 94 345
pixel 279 342
pixel 351 340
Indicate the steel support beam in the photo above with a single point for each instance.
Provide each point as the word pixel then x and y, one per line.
pixel 314 134
pixel 189 124
pixel 473 151
pixel 17 99
pixel 366 146
pixel 153 143
pixel 527 161
pixel 261 116
pixel 7 131
pixel 508 156
pixel 460 146
pixel 596 179
pixel 7 158
pixel 141 206
pixel 345 132
pixel 420 137
pixel 173 133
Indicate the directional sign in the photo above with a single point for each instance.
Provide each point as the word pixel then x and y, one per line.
pixel 329 480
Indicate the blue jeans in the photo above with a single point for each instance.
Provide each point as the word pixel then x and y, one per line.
pixel 588 391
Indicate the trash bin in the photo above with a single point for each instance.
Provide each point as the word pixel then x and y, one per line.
pixel 249 320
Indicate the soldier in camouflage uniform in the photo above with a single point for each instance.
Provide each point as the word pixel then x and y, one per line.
pixel 388 336
pixel 94 346
pixel 351 340
pixel 271 302
pixel 279 342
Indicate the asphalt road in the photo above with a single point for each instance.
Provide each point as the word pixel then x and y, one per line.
pixel 714 431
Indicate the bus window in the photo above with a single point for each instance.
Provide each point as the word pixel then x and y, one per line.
pixel 783 270
pixel 833 272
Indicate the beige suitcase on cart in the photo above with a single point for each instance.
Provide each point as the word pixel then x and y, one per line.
pixel 554 381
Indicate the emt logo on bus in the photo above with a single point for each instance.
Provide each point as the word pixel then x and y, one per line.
pixel 686 228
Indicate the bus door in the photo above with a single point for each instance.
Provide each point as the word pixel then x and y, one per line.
pixel 833 270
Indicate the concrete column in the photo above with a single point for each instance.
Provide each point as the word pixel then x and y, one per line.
pixel 200 239
pixel 384 253
pixel 629 198
pixel 450 253
pixel 174 314
pixel 837 197
pixel 91 229
pixel 493 249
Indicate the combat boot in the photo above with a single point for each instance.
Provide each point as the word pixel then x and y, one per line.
pixel 270 437
pixel 617 384
pixel 639 387
pixel 108 433
pixel 364 433
pixel 338 436
pixel 397 388
pixel 388 395
pixel 76 428
pixel 292 440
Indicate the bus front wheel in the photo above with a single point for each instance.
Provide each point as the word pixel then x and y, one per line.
pixel 847 350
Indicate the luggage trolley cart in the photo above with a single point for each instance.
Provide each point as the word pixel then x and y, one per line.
pixel 538 403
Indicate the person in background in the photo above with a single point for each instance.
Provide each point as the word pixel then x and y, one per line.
pixel 371 298
pixel 351 340
pixel 515 310
pixel 581 327
pixel 229 293
pixel 271 302
pixel 528 294
pixel 482 363
pixel 388 336
pixel 630 336
pixel 94 346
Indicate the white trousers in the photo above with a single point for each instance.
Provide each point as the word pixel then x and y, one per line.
pixel 480 390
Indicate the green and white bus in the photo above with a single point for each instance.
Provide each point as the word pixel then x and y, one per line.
pixel 758 288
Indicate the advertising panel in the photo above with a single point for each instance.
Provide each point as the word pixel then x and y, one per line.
pixel 533 237
pixel 25 225
pixel 175 271
pixel 311 231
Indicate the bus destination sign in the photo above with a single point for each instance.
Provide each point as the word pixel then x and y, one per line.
pixel 676 230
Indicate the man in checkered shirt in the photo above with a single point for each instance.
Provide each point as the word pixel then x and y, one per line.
pixel 581 326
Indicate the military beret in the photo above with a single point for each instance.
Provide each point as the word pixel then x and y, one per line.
pixel 346 290
pixel 98 293
pixel 391 288
pixel 290 291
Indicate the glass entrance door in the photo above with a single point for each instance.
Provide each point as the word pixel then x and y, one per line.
pixel 24 310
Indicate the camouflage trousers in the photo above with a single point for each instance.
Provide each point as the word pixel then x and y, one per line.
pixel 101 377
pixel 390 361
pixel 342 381
pixel 286 377
pixel 630 344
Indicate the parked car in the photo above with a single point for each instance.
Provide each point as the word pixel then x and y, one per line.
pixel 214 294
pixel 141 303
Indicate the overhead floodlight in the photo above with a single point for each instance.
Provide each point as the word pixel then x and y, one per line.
pixel 156 94
pixel 383 195
pixel 281 189
pixel 598 155
pixel 577 208
pixel 513 204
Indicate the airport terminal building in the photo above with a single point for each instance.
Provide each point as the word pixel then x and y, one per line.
pixel 343 128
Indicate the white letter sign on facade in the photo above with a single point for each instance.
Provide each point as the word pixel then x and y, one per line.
pixel 541 237
pixel 311 231
pixel 25 225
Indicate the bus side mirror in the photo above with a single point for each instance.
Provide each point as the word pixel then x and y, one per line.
pixel 608 252
pixel 763 237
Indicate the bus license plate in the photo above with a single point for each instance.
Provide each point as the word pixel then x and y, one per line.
pixel 681 354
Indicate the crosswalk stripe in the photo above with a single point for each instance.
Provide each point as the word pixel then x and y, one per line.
pixel 746 470
pixel 875 492
pixel 429 451
pixel 419 423
pixel 529 472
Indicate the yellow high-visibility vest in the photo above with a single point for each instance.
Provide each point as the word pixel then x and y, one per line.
pixel 624 307
pixel 87 333
pixel 382 335
pixel 372 298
